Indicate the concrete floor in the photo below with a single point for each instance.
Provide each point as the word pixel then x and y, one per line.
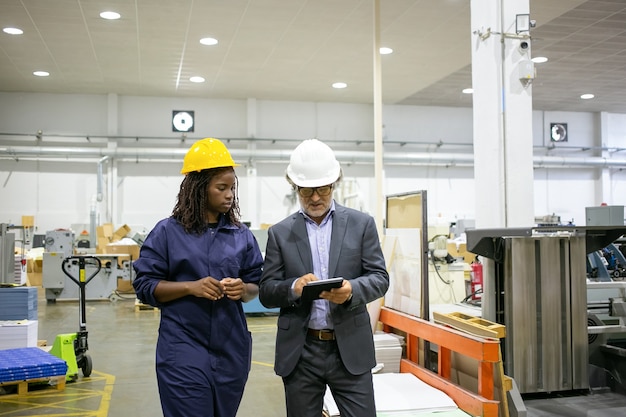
pixel 121 345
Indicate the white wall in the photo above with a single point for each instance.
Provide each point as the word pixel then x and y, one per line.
pixel 59 192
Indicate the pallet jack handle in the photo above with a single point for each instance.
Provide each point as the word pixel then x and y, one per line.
pixel 82 280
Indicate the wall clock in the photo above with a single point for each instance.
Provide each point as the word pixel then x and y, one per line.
pixel 182 121
pixel 558 132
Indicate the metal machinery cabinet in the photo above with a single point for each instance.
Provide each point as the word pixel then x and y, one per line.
pixel 538 290
pixel 545 312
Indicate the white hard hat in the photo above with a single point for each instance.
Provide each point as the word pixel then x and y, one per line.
pixel 313 164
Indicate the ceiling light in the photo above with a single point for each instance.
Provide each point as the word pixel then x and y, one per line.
pixel 13 31
pixel 468 91
pixel 110 15
pixel 340 85
pixel 385 51
pixel 587 96
pixel 196 79
pixel 539 59
pixel 208 41
pixel 41 73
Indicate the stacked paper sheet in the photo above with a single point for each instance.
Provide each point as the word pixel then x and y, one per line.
pixel 29 363
pixel 401 395
pixel 18 303
pixel 18 334
pixel 388 351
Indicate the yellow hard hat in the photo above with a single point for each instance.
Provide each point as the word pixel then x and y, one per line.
pixel 205 154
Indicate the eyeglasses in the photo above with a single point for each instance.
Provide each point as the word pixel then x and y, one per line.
pixel 321 191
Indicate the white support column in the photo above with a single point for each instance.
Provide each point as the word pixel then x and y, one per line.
pixel 502 116
pixel 112 201
pixel 111 195
pixel 604 193
pixel 250 210
pixel 378 122
pixel 503 151
pixel 112 114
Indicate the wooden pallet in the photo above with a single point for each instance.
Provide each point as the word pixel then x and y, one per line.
pixel 139 306
pixel 471 324
pixel 483 328
pixel 58 382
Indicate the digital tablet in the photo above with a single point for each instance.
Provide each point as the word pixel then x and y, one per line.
pixel 312 290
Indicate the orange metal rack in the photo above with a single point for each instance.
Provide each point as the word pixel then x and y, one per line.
pixel 448 340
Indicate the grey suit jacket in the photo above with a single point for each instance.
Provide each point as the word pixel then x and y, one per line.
pixel 355 254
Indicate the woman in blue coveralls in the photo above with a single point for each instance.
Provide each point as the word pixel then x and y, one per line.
pixel 197 266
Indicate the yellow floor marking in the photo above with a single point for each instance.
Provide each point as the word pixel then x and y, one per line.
pixel 259 363
pixel 73 393
pixel 254 327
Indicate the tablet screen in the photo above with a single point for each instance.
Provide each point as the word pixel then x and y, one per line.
pixel 312 290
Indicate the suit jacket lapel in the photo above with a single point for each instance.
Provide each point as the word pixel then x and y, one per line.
pixel 302 242
pixel 340 222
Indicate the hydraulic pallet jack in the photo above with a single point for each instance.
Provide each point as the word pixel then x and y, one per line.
pixel 72 347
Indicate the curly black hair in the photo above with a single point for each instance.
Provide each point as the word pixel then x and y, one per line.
pixel 192 200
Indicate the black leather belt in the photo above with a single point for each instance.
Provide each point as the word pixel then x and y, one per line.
pixel 325 335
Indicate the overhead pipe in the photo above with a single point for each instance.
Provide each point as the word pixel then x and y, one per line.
pixel 100 178
pixel 272 155
pixel 93 208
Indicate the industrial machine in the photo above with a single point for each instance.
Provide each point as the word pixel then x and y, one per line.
pixel 59 244
pixel 606 264
pixel 12 267
pixel 536 285
pixel 606 305
pixel 103 285
pixel 7 254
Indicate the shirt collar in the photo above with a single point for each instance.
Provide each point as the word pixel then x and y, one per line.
pixel 331 211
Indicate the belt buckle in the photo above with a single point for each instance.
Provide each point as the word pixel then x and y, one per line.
pixel 325 335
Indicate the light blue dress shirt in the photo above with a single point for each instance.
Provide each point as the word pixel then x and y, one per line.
pixel 319 240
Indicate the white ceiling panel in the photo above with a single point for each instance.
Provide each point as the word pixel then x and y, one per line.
pixel 294 50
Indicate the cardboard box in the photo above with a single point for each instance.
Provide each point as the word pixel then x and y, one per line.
pixel 460 250
pixel 101 244
pixel 28 221
pixel 34 279
pixel 105 231
pixel 34 265
pixel 125 286
pixel 120 233
pixel 132 250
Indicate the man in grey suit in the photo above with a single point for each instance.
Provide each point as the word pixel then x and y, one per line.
pixel 327 341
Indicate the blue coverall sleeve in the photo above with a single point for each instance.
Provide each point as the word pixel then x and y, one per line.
pixel 151 267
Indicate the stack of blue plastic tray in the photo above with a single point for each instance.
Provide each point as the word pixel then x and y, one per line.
pixel 29 363
pixel 18 303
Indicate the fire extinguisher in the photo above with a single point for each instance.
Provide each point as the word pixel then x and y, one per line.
pixel 476 279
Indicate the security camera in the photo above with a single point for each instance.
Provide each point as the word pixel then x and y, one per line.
pixel 523 46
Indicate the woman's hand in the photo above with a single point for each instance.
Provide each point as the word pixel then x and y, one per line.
pixel 208 287
pixel 236 289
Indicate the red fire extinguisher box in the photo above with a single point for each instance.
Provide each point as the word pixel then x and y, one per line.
pixel 476 280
